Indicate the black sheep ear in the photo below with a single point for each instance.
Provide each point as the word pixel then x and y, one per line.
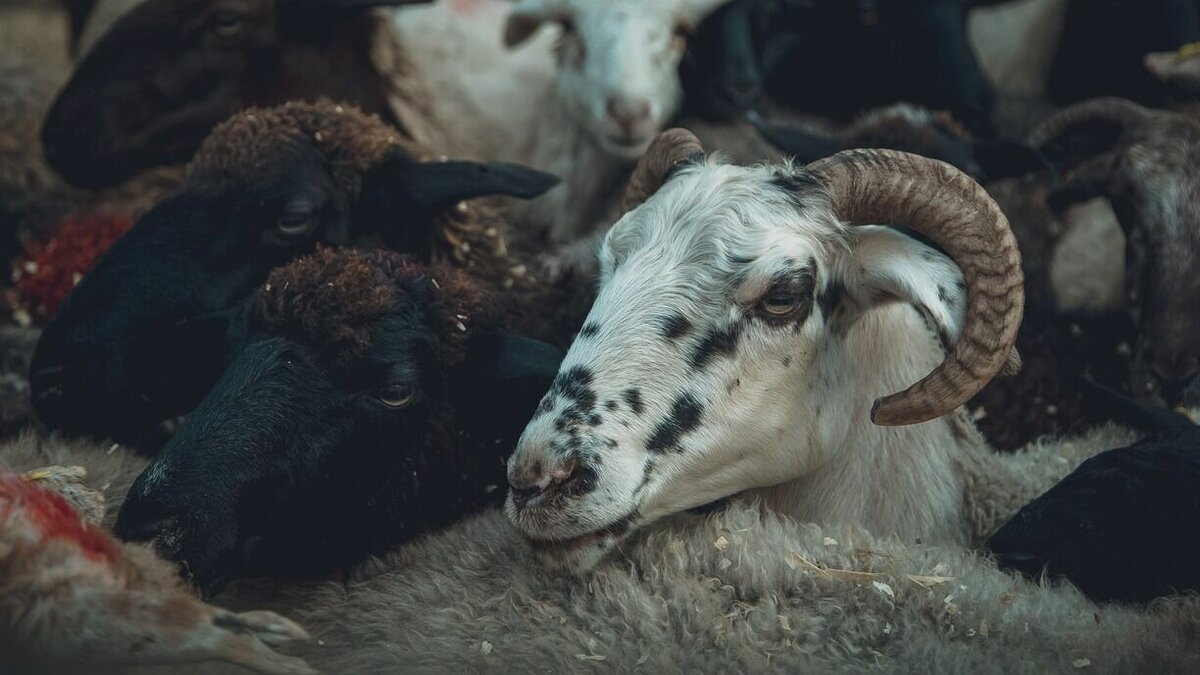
pixel 401 197
pixel 502 380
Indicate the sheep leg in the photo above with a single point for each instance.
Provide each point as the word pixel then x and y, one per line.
pixel 170 628
pixel 1086 181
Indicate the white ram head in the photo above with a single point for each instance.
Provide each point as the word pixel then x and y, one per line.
pixel 741 332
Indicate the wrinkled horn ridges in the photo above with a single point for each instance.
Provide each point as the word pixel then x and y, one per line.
pixel 668 149
pixel 944 204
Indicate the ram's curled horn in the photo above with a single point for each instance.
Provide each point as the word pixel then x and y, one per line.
pixel 1117 113
pixel 667 150
pixel 944 204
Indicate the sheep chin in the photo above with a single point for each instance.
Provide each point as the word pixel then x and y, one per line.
pixel 576 556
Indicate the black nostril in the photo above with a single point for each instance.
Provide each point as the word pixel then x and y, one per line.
pixel 536 482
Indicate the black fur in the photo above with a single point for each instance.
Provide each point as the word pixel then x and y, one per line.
pixel 1120 526
pixel 293 464
pixel 685 416
pixel 719 341
pixel 148 330
pixel 675 326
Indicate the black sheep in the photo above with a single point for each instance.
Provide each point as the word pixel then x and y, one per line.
pixel 375 400
pixel 1117 527
pixel 143 336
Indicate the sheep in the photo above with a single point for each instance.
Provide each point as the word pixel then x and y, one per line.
pixel 1144 162
pixel 266 187
pixel 116 117
pixel 1112 526
pixel 372 391
pixel 768 329
pixel 73 597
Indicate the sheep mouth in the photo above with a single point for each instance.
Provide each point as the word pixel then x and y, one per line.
pixel 603 537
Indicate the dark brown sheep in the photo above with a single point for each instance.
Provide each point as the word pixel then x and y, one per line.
pixel 266 187
pixel 373 401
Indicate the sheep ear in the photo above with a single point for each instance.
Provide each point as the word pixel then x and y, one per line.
pixel 885 265
pixel 401 198
pixel 524 20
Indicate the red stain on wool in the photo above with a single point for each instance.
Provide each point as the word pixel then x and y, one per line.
pixel 51 268
pixel 52 516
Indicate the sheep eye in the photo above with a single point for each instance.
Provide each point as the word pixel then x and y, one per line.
pixel 568 26
pixel 295 224
pixel 779 304
pixel 227 24
pixel 396 395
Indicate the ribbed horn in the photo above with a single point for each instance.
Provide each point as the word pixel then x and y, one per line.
pixel 944 204
pixel 667 150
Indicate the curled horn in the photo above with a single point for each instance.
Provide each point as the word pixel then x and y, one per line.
pixel 1105 119
pixel 944 204
pixel 666 151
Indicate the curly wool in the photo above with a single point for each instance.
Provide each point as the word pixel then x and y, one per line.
pixel 333 299
pixel 244 147
pixel 740 590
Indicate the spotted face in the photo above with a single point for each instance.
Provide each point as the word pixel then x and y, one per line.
pixel 716 357
pixel 618 61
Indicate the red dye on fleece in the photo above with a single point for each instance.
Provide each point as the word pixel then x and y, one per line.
pixel 53 516
pixel 51 269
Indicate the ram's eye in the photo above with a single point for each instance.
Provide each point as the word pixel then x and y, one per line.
pixel 295 223
pixel 779 304
pixel 226 23
pixel 396 395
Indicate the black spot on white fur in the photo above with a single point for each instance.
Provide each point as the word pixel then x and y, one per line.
pixel 719 341
pixel 633 398
pixel 685 416
pixel 589 330
pixel 675 326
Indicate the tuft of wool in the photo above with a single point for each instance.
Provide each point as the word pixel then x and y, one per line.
pixel 50 269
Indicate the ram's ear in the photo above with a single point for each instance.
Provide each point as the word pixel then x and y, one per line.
pixel 401 197
pixel 502 379
pixel 886 265
pixel 524 20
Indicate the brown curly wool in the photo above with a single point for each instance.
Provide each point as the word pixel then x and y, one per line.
pixel 247 145
pixel 333 298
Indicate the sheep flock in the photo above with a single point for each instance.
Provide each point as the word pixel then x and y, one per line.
pixel 389 336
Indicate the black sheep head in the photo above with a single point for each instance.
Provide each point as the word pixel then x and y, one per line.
pixel 145 334
pixel 372 402
pixel 169 71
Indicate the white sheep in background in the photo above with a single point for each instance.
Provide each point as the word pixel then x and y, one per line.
pixel 574 87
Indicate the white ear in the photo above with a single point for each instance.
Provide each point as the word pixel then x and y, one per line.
pixel 526 17
pixel 884 265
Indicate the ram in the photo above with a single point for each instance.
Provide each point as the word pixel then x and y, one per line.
pixel 1144 162
pixel 741 332
pixel 265 188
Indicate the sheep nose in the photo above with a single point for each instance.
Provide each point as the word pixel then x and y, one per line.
pixel 536 481
pixel 628 113
pixel 155 528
